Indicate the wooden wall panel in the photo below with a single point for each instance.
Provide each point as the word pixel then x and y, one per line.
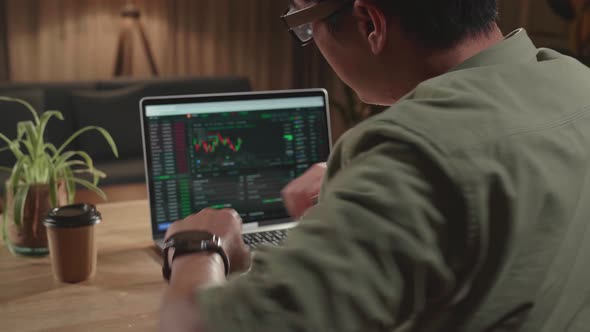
pixel 4 66
pixel 77 39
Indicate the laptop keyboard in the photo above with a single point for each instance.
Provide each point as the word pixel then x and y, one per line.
pixel 272 238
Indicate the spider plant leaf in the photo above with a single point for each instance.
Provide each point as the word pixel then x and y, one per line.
pixel 12 145
pixel 31 139
pixel 5 219
pixel 104 133
pixel 92 187
pixel 17 174
pixel 29 147
pixel 25 104
pixel 51 149
pixel 95 179
pixel 28 128
pixel 20 131
pixel 85 158
pixel 96 174
pixel 60 159
pixel 72 163
pixel 5 169
pixel 53 191
pixel 53 187
pixel 19 203
pixel 28 172
pixel 15 149
pixel 93 171
pixel 6 139
pixel 45 117
pixel 33 136
pixel 63 158
pixel 70 185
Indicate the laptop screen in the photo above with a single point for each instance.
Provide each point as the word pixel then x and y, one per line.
pixel 230 151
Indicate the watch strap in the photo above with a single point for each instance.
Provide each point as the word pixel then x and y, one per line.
pixel 206 246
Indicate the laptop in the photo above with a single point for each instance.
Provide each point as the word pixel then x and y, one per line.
pixel 232 150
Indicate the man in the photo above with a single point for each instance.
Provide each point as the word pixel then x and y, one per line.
pixel 464 207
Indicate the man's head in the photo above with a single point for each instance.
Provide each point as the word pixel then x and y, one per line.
pixel 384 48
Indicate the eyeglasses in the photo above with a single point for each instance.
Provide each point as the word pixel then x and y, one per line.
pixel 300 22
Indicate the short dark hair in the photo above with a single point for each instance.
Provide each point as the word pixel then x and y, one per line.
pixel 440 24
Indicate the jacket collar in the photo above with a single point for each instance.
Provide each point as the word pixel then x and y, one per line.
pixel 517 47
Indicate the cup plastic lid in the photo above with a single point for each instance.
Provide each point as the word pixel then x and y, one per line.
pixel 78 215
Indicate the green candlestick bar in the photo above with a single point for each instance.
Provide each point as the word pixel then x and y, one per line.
pixel 220 206
pixel 272 200
pixel 288 138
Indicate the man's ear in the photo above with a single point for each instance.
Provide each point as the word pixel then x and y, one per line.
pixel 372 24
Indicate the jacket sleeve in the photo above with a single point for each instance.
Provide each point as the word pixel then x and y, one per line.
pixel 368 257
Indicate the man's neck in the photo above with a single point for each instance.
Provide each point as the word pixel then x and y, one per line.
pixel 438 63
pixel 422 64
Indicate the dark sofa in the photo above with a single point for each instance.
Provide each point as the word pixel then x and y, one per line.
pixel 113 105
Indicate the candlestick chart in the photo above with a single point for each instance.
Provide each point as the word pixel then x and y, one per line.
pixel 214 141
pixel 220 148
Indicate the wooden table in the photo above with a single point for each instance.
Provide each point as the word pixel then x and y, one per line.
pixel 124 295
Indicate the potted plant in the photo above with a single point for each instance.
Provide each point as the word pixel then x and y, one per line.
pixel 43 177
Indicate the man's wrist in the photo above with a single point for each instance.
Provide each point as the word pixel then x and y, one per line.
pixel 196 269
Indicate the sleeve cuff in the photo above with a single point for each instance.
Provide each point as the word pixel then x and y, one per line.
pixel 215 315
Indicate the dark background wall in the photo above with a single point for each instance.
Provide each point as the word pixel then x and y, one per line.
pixel 544 26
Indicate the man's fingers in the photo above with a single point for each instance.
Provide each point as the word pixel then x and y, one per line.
pixel 302 193
pixel 231 213
pixel 298 199
pixel 297 204
pixel 291 198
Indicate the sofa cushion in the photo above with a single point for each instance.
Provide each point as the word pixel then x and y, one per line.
pixel 59 98
pixel 52 96
pixel 122 171
pixel 117 111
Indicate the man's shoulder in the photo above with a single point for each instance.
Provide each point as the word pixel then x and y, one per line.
pixel 476 107
pixel 460 117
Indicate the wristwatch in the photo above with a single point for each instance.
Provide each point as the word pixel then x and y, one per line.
pixel 192 242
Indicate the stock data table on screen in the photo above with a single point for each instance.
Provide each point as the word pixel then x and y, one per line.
pixel 240 160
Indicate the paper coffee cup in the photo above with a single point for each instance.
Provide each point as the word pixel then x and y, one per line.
pixel 72 248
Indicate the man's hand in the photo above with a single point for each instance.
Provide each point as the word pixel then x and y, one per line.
pixel 302 193
pixel 226 224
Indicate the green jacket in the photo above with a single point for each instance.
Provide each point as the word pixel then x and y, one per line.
pixel 466 200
